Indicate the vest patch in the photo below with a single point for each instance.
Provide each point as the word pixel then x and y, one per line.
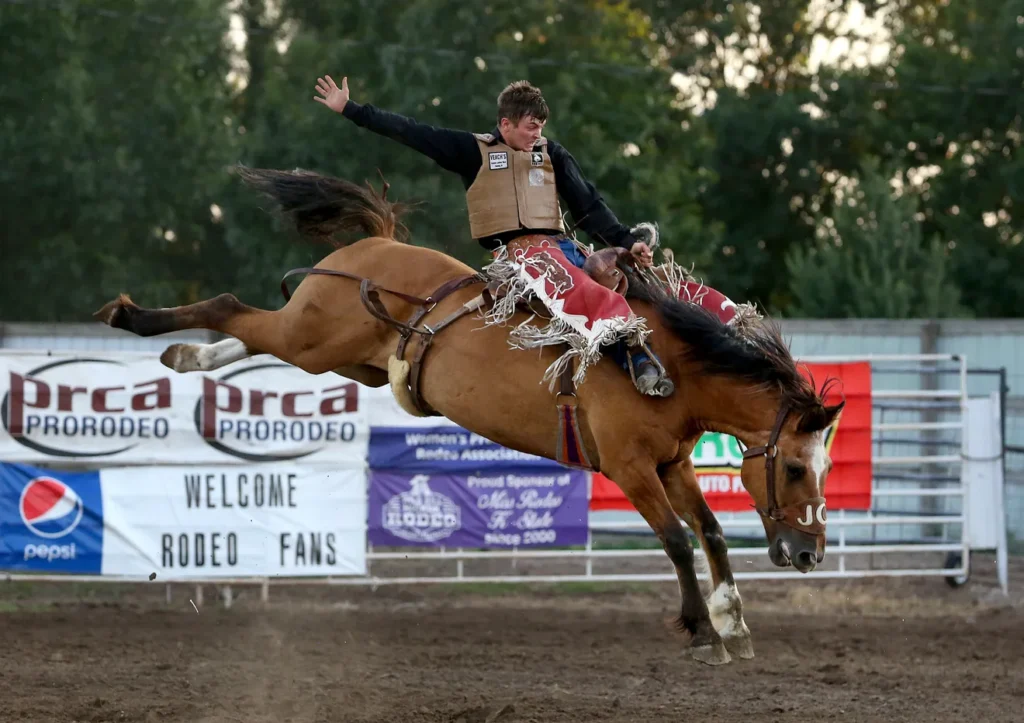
pixel 536 159
pixel 497 160
pixel 536 176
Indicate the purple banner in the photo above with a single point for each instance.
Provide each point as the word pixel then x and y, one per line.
pixel 499 509
pixel 445 449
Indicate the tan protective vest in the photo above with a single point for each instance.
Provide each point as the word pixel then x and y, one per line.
pixel 512 190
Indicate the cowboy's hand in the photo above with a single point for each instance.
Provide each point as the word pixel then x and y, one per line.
pixel 642 253
pixel 334 97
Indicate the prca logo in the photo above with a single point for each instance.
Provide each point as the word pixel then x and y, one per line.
pixel 84 407
pixel 274 413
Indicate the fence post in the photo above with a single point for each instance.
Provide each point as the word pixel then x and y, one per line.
pixel 930 332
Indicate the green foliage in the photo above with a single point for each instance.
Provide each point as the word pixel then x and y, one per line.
pixel 112 134
pixel 950 101
pixel 872 261
pixel 122 118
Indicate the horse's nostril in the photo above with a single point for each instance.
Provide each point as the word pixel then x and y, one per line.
pixel 806 559
pixel 785 549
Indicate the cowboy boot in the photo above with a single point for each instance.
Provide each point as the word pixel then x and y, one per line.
pixel 649 376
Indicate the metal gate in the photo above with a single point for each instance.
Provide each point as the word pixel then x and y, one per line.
pixel 936 453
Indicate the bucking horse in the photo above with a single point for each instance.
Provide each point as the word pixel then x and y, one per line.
pixel 379 311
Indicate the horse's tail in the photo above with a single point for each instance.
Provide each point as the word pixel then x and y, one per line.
pixel 322 206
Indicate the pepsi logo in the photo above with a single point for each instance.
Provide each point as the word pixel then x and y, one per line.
pixel 50 508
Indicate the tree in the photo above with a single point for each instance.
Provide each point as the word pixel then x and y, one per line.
pixel 113 140
pixel 117 177
pixel 746 73
pixel 612 107
pixel 872 260
pixel 947 108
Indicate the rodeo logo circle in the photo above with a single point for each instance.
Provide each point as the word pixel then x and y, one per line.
pixel 85 407
pixel 420 514
pixel 271 413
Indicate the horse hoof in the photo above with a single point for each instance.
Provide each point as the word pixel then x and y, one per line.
pixel 180 358
pixel 711 654
pixel 116 313
pixel 741 646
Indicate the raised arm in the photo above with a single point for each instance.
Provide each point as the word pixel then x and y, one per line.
pixel 453 150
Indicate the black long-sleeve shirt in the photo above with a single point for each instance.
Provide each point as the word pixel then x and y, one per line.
pixel 457 151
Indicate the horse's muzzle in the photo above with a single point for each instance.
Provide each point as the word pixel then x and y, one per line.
pixel 799 549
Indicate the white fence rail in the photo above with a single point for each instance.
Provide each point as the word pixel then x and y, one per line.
pixel 939 477
pixel 940 487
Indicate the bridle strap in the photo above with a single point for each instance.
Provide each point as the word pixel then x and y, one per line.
pixel 807 516
pixel 770 452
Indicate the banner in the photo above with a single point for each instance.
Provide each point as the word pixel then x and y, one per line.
pixel 442 448
pixel 443 485
pixel 185 522
pixel 717 458
pixel 108 409
pixel 499 509
pixel 49 521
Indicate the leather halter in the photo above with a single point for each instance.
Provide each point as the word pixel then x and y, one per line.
pixel 807 516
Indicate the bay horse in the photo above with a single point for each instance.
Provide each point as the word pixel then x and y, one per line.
pixel 343 318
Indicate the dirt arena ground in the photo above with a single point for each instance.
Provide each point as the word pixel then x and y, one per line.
pixel 881 649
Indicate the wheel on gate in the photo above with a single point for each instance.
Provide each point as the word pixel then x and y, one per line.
pixel 954 560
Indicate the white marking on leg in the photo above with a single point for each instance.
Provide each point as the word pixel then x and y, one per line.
pixel 726 611
pixel 214 356
pixel 204 357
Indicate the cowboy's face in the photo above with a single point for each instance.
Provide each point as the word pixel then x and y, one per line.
pixel 522 135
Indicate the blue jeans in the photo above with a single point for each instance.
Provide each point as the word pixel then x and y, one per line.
pixel 572 252
pixel 618 350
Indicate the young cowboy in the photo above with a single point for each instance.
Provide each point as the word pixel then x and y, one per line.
pixel 514 178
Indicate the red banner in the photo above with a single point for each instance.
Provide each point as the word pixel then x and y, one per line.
pixel 717 457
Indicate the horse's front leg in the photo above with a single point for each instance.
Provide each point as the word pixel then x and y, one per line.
pixel 642 486
pixel 725 605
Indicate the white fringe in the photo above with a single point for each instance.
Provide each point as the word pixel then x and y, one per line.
pixel 527 335
pixel 747 316
pixel 582 351
pixel 675 275
pixel 514 289
pixel 647 232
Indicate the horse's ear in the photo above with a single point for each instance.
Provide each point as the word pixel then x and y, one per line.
pixel 819 418
pixel 831 412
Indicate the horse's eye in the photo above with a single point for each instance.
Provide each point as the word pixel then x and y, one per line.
pixel 795 471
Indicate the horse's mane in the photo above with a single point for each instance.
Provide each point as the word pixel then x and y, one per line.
pixel 758 355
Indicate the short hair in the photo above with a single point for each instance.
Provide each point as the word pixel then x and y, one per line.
pixel 520 99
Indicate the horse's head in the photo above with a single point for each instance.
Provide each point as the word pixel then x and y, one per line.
pixel 786 477
pixel 747 383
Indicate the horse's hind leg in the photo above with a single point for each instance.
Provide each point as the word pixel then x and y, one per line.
pixel 725 605
pixel 293 338
pixel 642 486
pixel 213 314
